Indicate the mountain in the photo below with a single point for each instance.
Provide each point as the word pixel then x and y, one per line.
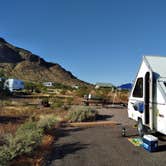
pixel 22 64
pixel 126 86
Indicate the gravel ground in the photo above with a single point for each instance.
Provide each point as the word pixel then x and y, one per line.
pixel 103 146
pixel 117 114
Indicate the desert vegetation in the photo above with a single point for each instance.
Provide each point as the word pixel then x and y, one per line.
pixel 81 114
pixel 26 116
pixel 26 138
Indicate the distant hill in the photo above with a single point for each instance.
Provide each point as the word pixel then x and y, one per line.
pixel 22 64
pixel 127 86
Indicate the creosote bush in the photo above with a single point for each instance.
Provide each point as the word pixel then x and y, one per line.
pixel 81 114
pixel 27 137
pixel 47 121
pixel 57 103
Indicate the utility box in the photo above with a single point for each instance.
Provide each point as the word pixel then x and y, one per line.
pixel 150 143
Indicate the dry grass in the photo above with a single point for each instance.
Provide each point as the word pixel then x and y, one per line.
pixel 8 128
pixel 15 111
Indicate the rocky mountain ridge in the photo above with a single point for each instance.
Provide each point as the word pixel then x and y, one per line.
pixel 22 64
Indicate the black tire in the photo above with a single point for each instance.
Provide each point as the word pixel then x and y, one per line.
pixel 141 128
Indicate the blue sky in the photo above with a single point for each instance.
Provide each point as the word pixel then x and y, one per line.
pixel 97 40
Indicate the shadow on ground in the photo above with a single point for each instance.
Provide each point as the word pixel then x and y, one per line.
pixel 104 117
pixel 61 151
pixel 64 131
pixel 11 119
pixel 161 148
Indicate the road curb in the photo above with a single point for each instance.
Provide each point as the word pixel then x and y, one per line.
pixel 93 124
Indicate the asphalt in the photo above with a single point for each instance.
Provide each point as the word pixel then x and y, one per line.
pixel 103 146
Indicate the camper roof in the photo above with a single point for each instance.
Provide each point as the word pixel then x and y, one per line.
pixel 157 64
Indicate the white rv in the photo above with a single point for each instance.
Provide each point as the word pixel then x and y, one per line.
pixel 147 100
pixel 48 84
pixel 14 84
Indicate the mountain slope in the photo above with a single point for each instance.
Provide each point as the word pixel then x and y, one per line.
pixel 22 64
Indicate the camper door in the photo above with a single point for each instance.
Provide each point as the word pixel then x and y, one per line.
pixel 139 101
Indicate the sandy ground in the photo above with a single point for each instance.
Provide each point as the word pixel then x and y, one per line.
pixel 103 146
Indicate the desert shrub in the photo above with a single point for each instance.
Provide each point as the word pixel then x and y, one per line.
pixel 45 102
pixel 24 141
pixel 81 114
pixel 29 86
pixel 57 103
pixel 63 91
pixel 27 137
pixel 62 86
pixel 4 91
pixel 37 90
pixel 2 73
pixel 5 102
pixel 66 107
pixel 69 100
pixel 82 91
pixel 47 121
pixel 4 155
pixel 123 96
pixel 34 87
pixel 103 92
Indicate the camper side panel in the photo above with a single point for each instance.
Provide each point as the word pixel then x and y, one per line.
pixel 18 85
pixel 14 84
pixel 160 112
pixel 136 99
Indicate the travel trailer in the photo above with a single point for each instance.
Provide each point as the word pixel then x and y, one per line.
pixel 48 84
pixel 147 100
pixel 14 84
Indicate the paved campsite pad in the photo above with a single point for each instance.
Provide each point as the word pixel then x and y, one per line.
pixel 102 146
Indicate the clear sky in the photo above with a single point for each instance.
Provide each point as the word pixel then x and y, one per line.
pixel 97 40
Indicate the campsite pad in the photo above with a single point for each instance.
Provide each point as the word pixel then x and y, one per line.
pixel 136 141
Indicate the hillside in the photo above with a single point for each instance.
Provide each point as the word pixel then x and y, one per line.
pixel 22 64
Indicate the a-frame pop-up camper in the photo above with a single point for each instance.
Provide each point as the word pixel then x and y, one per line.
pixel 147 100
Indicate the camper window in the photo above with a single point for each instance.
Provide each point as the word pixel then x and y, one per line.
pixel 165 84
pixel 138 89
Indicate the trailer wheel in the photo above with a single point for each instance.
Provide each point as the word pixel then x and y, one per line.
pixel 141 128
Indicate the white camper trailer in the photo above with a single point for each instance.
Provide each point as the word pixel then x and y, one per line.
pixel 14 84
pixel 147 100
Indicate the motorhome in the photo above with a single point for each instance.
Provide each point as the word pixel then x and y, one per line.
pixel 14 84
pixel 147 100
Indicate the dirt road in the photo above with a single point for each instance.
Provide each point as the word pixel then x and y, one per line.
pixel 102 146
